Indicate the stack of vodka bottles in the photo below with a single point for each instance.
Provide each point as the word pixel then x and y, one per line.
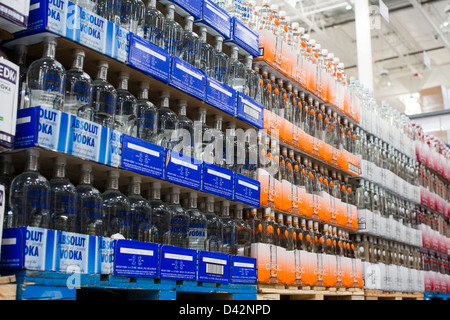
pixel 35 200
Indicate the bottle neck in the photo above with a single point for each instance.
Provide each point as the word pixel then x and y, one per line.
pixel 165 102
pixel 182 110
pixel 85 177
pixel 152 4
pixel 32 163
pixel 225 211
pixel 59 171
pixel 113 183
pixel 170 15
pixel 234 55
pixel 49 50
pixel 202 117
pixel 189 26
pixel 203 36
pixel 156 194
pixel 192 203
pixel 123 84
pixel 143 94
pixel 210 207
pixel 219 46
pixel 175 198
pixel 218 125
pixel 249 64
pixel 102 73
pixel 135 188
pixel 78 62
pixel 239 214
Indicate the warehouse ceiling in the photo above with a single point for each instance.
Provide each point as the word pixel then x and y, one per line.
pixel 397 46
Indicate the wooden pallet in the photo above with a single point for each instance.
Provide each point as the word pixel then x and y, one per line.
pixel 392 295
pixel 8 288
pixel 49 285
pixel 282 292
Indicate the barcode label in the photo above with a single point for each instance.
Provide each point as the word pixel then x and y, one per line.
pixel 212 268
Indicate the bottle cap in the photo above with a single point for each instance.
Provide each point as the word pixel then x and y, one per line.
pixel 135 179
pixel 189 18
pixel 182 103
pixel 219 38
pixel 86 167
pixel 193 195
pixel 78 52
pixel 113 174
pixel 156 185
pixel 102 64
pixel 60 160
pixel 123 75
pixel 144 85
pixel 175 190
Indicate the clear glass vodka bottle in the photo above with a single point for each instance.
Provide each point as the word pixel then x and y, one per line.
pixel 197 224
pixel 237 71
pixel 221 62
pixel 20 52
pixel 191 43
pixel 154 24
pixel 232 154
pixel 218 141
pixel 125 116
pixel 268 232
pixel 116 208
pixel 140 212
pixel 63 199
pixel 146 115
pixel 90 5
pixel 46 79
pixel 179 221
pixel 30 195
pixel 185 129
pixel 214 225
pixel 256 226
pixel 6 177
pixel 161 214
pixel 173 33
pixel 78 90
pixel 207 54
pixel 90 214
pixel 243 232
pixel 110 10
pixel 252 79
pixel 104 97
pixel 132 16
pixel 201 150
pixel 167 122
pixel 266 90
pixel 229 229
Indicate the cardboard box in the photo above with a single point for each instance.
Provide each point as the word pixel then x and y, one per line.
pixel 266 261
pixel 218 180
pixel 247 190
pixel 183 170
pixel 213 267
pixel 14 15
pixel 245 38
pixel 9 82
pixel 178 263
pixel 250 110
pixel 220 96
pixel 136 259
pixel 243 270
pixel 187 78
pixel 187 7
pixel 216 19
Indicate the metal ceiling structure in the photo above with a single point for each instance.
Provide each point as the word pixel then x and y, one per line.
pixel 398 45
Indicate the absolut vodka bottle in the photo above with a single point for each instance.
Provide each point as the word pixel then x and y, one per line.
pixel 161 214
pixel 214 225
pixel 207 54
pixel 218 141
pixel 173 33
pixel 179 221
pixel 185 131
pixel 221 63
pixel 63 199
pixel 167 122
pixel 197 224
pixel 154 24
pixel 229 229
pixel 201 152
pixel 78 91
pixel 46 79
pixel 90 213
pixel 125 117
pixel 252 80
pixel 237 71
pixel 140 212
pixel 110 10
pixel 116 208
pixel 131 14
pixel 243 233
pixel 90 5
pixel 30 195
pixel 191 44
pixel 146 115
pixel 104 97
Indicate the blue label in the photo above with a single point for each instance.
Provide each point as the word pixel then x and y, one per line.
pixel 243 270
pixel 244 37
pixel 213 267
pixel 187 78
pixel 121 42
pixel 142 157
pixel 73 252
pixel 26 128
pixel 114 148
pixel 149 58
pixel 192 7
pixel 216 18
pixel 136 259
pixel 250 110
pixel 220 96
pixel 218 180
pixel 183 170
pixel 247 190
pixel 178 263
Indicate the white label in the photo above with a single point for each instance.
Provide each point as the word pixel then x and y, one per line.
pixel 141 252
pixel 219 174
pixel 183 163
pixel 150 51
pixel 248 185
pixel 142 149
pixel 214 260
pixel 243 265
pixel 190 72
pixel 218 88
